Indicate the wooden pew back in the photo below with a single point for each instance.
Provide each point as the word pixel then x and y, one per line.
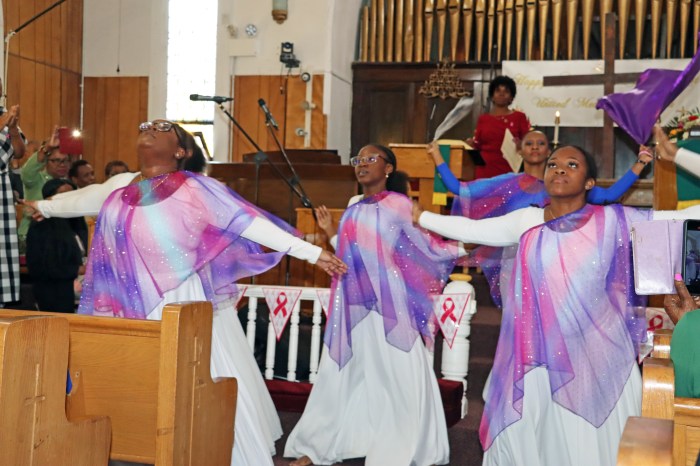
pixel 152 378
pixel 33 425
pixel 646 441
pixel 659 401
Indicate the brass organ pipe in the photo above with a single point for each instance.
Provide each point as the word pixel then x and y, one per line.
pixel 655 23
pixel 373 32
pixel 500 13
pixel 428 13
pixel 543 9
pixel 381 19
pixel 453 13
pixel 623 14
pixel 480 13
pixel 530 7
pixel 467 20
pixel 491 17
pixel 640 15
pixel 670 25
pixel 365 33
pixel 571 17
pixel 587 20
pixel 519 21
pixel 685 16
pixel 509 28
pixel 418 43
pixel 605 8
pixel 409 37
pixel 556 27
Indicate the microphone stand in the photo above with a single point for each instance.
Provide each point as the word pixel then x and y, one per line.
pixel 261 157
pixel 305 201
pixel 11 34
pixel 295 181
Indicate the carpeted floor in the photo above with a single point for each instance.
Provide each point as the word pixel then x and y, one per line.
pixel 465 449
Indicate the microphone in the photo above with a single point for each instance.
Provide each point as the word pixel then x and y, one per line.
pixel 210 98
pixel 267 113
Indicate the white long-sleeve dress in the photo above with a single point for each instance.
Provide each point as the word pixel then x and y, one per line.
pixel 384 404
pixel 257 424
pixel 548 433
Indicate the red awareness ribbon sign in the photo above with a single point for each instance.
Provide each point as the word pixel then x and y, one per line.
pixel 281 304
pixel 449 308
pixel 656 322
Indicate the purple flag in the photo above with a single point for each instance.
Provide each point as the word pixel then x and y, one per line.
pixel 638 110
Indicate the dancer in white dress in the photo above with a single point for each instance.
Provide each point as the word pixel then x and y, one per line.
pixel 183 237
pixel 376 395
pixel 565 377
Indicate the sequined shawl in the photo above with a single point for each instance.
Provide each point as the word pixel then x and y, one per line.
pixel 570 307
pixel 393 267
pixel 152 236
pixel 493 197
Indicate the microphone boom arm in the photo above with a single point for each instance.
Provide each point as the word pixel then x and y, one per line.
pixel 261 155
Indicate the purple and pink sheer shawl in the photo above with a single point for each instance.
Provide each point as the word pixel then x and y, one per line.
pixel 569 307
pixel 493 197
pixel 152 236
pixel 393 268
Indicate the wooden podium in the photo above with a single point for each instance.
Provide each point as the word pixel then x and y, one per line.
pixel 415 161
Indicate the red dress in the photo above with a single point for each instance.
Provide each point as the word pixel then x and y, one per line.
pixel 488 138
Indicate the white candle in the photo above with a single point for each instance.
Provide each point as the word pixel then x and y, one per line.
pixel 555 141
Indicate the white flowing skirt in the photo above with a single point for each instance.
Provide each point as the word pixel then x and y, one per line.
pixel 257 424
pixel 384 405
pixel 549 434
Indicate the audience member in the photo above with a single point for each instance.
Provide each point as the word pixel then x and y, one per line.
pixel 81 173
pixel 684 311
pixel 55 251
pixel 45 164
pixel 115 167
pixel 11 146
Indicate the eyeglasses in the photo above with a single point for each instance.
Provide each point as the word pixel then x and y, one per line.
pixel 161 125
pixel 368 159
pixel 60 161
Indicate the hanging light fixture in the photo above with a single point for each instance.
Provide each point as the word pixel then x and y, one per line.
pixel 279 11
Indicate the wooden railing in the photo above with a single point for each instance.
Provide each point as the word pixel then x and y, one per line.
pixel 454 360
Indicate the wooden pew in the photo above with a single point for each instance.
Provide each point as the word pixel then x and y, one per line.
pixel 33 425
pixel 646 441
pixel 659 401
pixel 152 378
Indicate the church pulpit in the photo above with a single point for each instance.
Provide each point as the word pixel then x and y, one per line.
pixel 415 161
pixel 325 181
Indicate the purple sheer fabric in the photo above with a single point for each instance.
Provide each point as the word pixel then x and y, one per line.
pixel 152 236
pixel 393 267
pixel 570 307
pixel 493 197
pixel 638 110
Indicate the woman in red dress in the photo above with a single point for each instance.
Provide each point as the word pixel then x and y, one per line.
pixel 491 128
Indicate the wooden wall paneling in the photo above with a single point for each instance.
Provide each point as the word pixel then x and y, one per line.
pixel 295 116
pixel 89 117
pixel 246 90
pixel 275 91
pixel 129 115
pixel 386 105
pixel 319 120
pixel 45 66
pixel 113 109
